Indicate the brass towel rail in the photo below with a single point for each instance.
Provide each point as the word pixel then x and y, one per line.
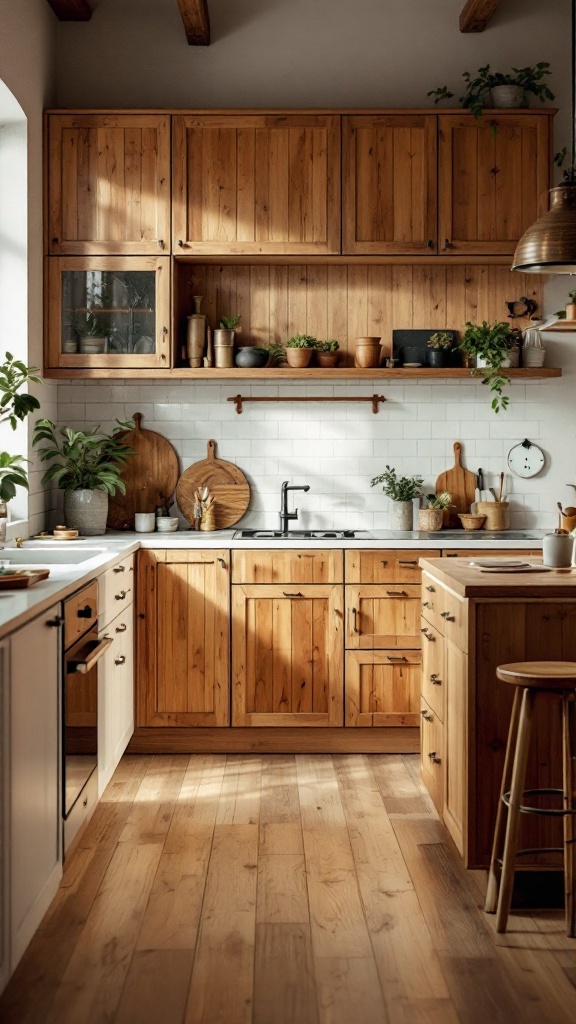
pixel 240 399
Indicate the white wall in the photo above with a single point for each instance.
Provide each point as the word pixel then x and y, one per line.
pixel 334 53
pixel 27 42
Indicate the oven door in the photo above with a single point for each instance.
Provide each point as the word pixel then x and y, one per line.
pixel 80 715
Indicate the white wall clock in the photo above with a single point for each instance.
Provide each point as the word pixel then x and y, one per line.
pixel 526 459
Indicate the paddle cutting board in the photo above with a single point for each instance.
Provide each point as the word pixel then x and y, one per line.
pixel 461 484
pixel 224 480
pixel 150 476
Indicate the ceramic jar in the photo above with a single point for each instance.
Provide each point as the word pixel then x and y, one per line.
pixel 86 511
pixel 558 549
pixel 367 352
pixel 401 515
pixel 224 347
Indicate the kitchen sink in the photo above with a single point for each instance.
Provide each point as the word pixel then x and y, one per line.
pixel 48 556
pixel 297 534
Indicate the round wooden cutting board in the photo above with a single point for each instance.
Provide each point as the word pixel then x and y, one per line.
pixel 225 481
pixel 150 476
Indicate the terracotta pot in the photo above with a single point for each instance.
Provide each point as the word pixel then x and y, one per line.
pixel 298 357
pixel 367 352
pixel 327 359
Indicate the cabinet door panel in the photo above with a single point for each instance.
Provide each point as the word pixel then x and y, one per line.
pixel 383 617
pixel 109 184
pixel 494 172
pixel 287 660
pixel 383 688
pixel 455 736
pixel 183 610
pixel 433 755
pixel 389 186
pixel 433 671
pixel 257 184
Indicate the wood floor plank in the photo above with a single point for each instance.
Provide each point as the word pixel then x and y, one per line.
pixel 401 792
pixel 156 987
pixel 284 987
pixel 155 801
pixel 282 889
pixel 239 802
pixel 349 990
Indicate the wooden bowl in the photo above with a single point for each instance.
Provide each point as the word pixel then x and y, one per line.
pixel 471 522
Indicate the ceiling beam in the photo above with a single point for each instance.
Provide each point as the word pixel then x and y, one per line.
pixel 196 21
pixel 71 10
pixel 476 14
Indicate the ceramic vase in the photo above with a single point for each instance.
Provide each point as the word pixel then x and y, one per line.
pixel 196 334
pixel 224 347
pixel 86 511
pixel 401 515
pixel 367 352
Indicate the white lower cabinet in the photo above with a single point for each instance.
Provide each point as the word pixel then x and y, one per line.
pixel 31 662
pixel 115 695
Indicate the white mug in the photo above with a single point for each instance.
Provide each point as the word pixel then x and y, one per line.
pixel 144 522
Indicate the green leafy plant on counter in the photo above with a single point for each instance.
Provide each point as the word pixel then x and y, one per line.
pixel 327 346
pixel 441 340
pixel 229 323
pixel 14 375
pixel 490 343
pixel 91 460
pixel 442 500
pixel 478 87
pixel 403 488
pixel 302 341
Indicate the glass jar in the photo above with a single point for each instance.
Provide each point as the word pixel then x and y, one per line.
pixel 533 353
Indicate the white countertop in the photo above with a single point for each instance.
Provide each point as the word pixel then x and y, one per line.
pixel 20 606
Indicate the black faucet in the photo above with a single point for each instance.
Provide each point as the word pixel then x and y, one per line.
pixel 285 515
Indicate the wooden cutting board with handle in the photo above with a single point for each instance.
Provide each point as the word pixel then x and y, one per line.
pixel 461 484
pixel 150 476
pixel 224 480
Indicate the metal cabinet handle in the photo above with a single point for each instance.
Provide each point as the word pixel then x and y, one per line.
pixel 383 562
pixel 121 660
pixel 427 716
pixel 431 590
pixel 57 621
pixel 121 628
pixel 87 612
pixel 355 620
pixel 396 593
pixel 406 561
pixel 433 758
pixel 286 594
pixel 448 617
pixel 120 596
pixel 161 243
pixel 391 657
pixel 93 651
pixel 424 629
pixel 119 568
pixel 434 680
pixel 430 636
pixel 222 562
pixel 448 244
pixel 426 604
pixel 180 243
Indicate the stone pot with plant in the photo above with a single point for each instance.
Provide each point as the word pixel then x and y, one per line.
pixel 14 374
pixel 490 344
pixel 401 491
pixel 224 336
pixel 431 517
pixel 327 353
pixel 493 88
pixel 87 466
pixel 440 346
pixel 91 331
pixel 299 350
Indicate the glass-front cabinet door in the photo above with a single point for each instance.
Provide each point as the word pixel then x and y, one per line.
pixel 108 312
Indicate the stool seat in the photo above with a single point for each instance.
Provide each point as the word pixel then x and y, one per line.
pixel 534 680
pixel 539 675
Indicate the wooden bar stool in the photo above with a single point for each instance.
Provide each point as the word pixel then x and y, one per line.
pixel 532 678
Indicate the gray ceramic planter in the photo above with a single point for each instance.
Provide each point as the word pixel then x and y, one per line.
pixel 86 511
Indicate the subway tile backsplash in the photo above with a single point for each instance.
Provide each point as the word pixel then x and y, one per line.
pixel 338 448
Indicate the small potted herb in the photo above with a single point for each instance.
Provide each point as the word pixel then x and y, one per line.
pixel 500 90
pixel 490 344
pixel 299 349
pixel 431 517
pixel 401 491
pixel 440 347
pixel 327 353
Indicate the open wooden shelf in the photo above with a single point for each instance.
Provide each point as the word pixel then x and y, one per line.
pixel 287 373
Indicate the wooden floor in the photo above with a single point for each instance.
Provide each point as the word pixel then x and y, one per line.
pixel 280 889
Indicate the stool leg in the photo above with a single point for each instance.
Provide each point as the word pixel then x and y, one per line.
pixel 500 828
pixel 569 804
pixel 513 823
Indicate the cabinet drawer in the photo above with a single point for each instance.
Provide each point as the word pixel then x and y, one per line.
pixel 382 688
pixel 115 590
pixel 434 673
pixel 431 604
pixel 385 566
pixel 78 610
pixel 380 616
pixel 454 616
pixel 432 746
pixel 301 566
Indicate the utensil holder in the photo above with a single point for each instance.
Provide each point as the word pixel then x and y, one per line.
pixel 497 514
pixel 208 521
pixel 568 523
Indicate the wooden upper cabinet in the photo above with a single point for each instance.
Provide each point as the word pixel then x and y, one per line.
pixel 389 184
pixel 256 184
pixel 108 184
pixel 493 175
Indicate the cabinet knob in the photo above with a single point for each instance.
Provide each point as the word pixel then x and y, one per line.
pixel 434 758
pixel 161 243
pixel 180 243
pixel 426 604
pixel 431 590
pixel 430 636
pixel 424 629
pixel 430 243
pixel 448 617
pixel 86 612
pixel 121 660
pixel 119 568
pixel 56 622
pixel 222 562
pixel 448 244
pixel 55 240
pixel 121 628
pixel 120 596
pixel 434 680
pixel 427 716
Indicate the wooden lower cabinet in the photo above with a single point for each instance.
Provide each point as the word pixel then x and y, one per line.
pixel 183 649
pixel 383 688
pixel 287 665
pixel 432 746
pixel 383 616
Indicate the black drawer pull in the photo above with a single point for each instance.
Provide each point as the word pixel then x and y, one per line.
pixel 391 657
pixel 431 590
pixel 434 680
pixel 430 636
pixel 396 593
pixel 119 568
pixel 121 660
pixel 286 594
pixel 427 716
pixel 120 596
pixel 121 628
pixel 433 758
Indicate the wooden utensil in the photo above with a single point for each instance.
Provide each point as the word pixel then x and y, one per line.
pixel 227 484
pixel 461 484
pixel 150 476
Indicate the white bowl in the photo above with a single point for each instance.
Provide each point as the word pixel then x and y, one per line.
pixel 166 524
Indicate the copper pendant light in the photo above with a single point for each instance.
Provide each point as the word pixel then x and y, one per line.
pixel 549 245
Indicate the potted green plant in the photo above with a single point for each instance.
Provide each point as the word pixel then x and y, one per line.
pixel 327 353
pixel 87 466
pixel 14 407
pixel 91 331
pixel 299 349
pixel 440 347
pixel 224 340
pixel 490 344
pixel 431 517
pixel 401 491
pixel 500 90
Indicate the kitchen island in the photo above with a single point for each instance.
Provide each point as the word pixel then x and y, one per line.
pixel 473 621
